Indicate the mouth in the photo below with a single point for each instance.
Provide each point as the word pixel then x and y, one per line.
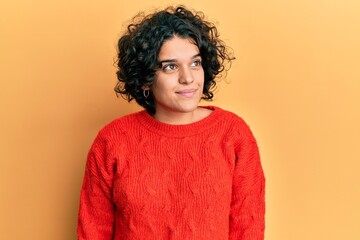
pixel 187 92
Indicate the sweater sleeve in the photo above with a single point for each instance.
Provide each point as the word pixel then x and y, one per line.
pixel 248 199
pixel 96 213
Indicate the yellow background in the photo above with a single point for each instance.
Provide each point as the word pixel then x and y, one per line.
pixel 296 82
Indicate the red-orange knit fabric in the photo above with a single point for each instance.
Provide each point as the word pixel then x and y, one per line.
pixel 149 180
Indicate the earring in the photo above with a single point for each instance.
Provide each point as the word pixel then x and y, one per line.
pixel 146 93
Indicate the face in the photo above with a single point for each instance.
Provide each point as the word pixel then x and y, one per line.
pixel 179 82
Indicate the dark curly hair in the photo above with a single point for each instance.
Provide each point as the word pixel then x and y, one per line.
pixel 139 47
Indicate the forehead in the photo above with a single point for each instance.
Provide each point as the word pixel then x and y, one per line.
pixel 178 48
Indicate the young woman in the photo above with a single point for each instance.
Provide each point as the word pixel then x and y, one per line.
pixel 175 170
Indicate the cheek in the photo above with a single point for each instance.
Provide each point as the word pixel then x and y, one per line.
pixel 200 77
pixel 160 88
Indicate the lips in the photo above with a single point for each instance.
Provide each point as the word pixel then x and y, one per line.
pixel 186 92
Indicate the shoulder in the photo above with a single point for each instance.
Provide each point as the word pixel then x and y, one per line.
pixel 229 118
pixel 120 127
pixel 234 125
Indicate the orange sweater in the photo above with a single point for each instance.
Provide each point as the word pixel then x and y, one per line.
pixel 148 180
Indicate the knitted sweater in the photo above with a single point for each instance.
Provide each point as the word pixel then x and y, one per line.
pixel 149 180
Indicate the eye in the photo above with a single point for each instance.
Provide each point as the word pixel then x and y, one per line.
pixel 196 63
pixel 169 67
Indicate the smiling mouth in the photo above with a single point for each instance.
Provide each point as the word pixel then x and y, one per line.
pixel 187 93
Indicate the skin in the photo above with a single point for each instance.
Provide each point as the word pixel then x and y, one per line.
pixel 179 83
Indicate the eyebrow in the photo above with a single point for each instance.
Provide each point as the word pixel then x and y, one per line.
pixel 174 60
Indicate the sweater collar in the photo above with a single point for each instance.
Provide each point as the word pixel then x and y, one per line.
pixel 182 130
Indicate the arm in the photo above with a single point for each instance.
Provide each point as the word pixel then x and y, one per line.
pixel 248 199
pixel 96 212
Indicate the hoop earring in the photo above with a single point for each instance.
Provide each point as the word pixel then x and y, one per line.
pixel 146 93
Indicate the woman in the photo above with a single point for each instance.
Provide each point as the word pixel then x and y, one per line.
pixel 174 170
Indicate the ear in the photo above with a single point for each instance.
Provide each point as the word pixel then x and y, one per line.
pixel 144 87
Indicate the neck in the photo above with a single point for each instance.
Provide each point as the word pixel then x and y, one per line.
pixel 180 118
pixel 176 118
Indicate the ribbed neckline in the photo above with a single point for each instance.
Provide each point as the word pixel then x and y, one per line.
pixel 182 130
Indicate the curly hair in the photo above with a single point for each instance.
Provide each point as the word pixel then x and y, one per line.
pixel 139 47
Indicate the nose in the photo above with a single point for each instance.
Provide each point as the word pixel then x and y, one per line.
pixel 186 76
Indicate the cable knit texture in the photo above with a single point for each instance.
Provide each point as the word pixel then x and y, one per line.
pixel 149 180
